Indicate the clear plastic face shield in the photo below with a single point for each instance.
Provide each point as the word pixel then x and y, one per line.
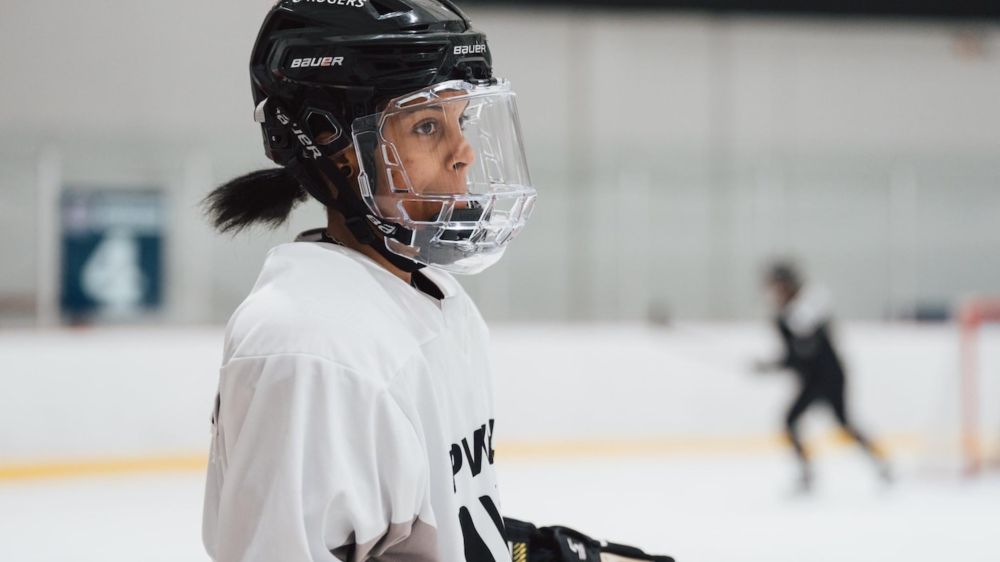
pixel 448 164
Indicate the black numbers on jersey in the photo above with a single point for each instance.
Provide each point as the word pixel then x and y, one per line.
pixel 475 547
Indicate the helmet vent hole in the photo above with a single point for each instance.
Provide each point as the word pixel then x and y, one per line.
pixel 324 130
pixel 390 8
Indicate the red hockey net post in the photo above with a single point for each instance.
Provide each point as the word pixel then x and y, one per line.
pixel 972 315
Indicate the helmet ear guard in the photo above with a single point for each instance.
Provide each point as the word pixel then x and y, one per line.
pixel 313 133
pixel 320 122
pixel 295 147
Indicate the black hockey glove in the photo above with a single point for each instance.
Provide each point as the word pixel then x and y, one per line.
pixel 562 544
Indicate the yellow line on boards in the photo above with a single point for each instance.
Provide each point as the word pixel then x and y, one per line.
pixel 101 467
pixel 694 445
pixel 506 450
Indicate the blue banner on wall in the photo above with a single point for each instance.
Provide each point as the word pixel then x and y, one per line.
pixel 112 254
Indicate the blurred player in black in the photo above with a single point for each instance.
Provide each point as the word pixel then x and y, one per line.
pixel 803 321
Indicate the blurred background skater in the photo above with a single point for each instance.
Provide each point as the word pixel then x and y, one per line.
pixel 803 318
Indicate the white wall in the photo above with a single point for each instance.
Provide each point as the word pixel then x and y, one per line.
pixel 673 152
pixel 103 393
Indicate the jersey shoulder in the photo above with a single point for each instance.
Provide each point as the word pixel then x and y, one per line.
pixel 811 309
pixel 326 301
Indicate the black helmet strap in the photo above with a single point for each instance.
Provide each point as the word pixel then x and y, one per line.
pixel 312 169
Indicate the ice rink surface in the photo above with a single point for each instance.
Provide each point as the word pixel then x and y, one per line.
pixel 698 508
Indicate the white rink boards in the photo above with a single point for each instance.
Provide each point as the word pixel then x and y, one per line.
pixel 138 393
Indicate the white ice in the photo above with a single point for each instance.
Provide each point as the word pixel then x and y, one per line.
pixel 705 508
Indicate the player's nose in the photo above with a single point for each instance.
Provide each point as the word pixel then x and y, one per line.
pixel 462 155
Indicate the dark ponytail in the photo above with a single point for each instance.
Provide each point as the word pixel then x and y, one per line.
pixel 265 196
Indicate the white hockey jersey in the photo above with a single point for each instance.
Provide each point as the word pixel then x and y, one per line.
pixel 354 419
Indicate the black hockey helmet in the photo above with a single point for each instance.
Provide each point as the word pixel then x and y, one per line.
pixel 318 65
pixel 324 63
pixel 785 273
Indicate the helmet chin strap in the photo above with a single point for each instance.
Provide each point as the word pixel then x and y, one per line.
pixel 365 227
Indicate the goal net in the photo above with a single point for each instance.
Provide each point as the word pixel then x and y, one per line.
pixel 979 369
pixel 965 437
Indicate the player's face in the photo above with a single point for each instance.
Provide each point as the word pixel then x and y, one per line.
pixel 780 293
pixel 433 150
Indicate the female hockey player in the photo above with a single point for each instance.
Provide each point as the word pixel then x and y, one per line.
pixel 803 322
pixel 354 418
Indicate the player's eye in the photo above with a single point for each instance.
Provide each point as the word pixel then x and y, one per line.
pixel 427 127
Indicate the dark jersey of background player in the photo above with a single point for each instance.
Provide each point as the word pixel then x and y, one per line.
pixel 803 322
